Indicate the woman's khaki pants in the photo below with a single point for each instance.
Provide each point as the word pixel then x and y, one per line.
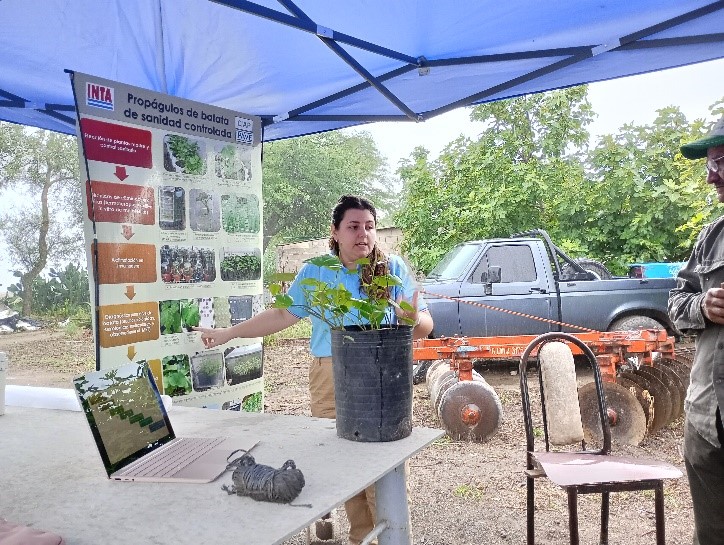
pixel 360 508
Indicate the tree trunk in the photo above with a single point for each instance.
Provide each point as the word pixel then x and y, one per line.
pixel 29 277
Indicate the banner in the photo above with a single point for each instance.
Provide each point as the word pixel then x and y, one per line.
pixel 173 237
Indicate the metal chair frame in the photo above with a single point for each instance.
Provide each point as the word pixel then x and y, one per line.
pixel 535 461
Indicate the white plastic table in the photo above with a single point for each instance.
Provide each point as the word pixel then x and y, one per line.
pixel 51 478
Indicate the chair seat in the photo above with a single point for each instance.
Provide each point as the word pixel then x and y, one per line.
pixel 573 469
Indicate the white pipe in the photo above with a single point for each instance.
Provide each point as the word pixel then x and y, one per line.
pixel 376 531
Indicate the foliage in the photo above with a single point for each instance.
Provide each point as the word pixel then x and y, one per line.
pixel 170 317
pixel 240 214
pixel 187 154
pixel 64 294
pixel 515 177
pixel 252 403
pixel 241 267
pixel 247 365
pixel 210 367
pixel 176 375
pixel 334 304
pixel 304 177
pixel 190 313
pixel 474 492
pixel 631 198
pixel 227 163
pixel 42 167
pixel 300 330
pixel 644 201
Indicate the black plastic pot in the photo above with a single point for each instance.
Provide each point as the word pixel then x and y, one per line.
pixel 373 383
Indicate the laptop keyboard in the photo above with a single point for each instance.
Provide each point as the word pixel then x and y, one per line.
pixel 172 458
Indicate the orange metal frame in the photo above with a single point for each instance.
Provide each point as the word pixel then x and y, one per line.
pixel 612 348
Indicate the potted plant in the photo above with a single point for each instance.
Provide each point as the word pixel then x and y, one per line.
pixel 372 357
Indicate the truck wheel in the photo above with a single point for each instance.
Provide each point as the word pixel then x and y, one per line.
pixel 635 322
pixel 596 268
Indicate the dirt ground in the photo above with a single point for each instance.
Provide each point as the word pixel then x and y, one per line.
pixel 461 493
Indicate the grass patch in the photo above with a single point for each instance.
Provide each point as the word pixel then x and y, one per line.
pixel 506 397
pixel 301 330
pixel 469 492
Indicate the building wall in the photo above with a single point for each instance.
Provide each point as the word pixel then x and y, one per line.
pixel 291 256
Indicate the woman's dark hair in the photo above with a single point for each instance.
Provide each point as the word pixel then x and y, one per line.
pixel 378 260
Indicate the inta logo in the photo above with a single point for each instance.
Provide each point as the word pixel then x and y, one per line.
pixel 99 96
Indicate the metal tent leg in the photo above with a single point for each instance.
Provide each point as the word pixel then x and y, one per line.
pixel 392 507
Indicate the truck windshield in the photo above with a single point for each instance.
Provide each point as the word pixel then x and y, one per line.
pixel 454 263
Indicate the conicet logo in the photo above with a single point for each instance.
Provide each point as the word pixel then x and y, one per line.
pixel 99 96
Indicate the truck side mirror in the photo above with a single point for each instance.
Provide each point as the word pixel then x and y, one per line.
pixel 494 275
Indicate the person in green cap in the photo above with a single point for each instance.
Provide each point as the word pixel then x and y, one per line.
pixel 696 306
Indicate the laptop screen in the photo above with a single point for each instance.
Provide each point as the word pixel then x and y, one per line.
pixel 125 413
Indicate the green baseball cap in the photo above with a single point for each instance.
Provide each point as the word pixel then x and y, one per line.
pixel 697 149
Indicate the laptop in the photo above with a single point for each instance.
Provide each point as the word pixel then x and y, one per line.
pixel 133 433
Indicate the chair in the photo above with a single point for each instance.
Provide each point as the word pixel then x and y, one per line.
pixel 581 471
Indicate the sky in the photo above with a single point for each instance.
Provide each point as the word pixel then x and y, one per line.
pixel 634 99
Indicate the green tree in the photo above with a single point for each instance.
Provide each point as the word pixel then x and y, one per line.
pixel 518 175
pixel 42 167
pixel 645 202
pixel 304 177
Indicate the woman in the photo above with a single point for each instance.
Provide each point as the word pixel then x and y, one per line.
pixel 353 237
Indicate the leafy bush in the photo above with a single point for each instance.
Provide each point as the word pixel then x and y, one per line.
pixel 65 294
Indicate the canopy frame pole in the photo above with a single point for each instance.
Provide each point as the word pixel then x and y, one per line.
pixel 330 38
pixel 307 25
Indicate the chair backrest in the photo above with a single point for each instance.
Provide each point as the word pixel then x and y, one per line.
pixel 559 393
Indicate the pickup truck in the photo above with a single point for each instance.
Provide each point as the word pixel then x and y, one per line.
pixel 530 275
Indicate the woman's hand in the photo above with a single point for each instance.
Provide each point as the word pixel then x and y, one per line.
pixel 421 321
pixel 412 316
pixel 213 337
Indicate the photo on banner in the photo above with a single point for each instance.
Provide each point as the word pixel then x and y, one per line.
pixel 173 231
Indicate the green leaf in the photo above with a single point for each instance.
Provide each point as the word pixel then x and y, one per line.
pixel 328 261
pixel 283 301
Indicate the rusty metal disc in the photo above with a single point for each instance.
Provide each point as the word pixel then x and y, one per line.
pixel 685 355
pixel 470 410
pixel 434 375
pixel 432 369
pixel 662 398
pixel 643 397
pixel 662 404
pixel 626 416
pixel 681 370
pixel 670 368
pixel 684 361
pixel 439 385
pixel 674 392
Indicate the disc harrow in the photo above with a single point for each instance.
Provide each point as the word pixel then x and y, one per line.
pixel 645 381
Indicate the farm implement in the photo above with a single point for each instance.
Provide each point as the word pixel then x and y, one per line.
pixel 644 377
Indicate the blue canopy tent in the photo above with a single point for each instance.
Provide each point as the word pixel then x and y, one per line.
pixel 319 65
